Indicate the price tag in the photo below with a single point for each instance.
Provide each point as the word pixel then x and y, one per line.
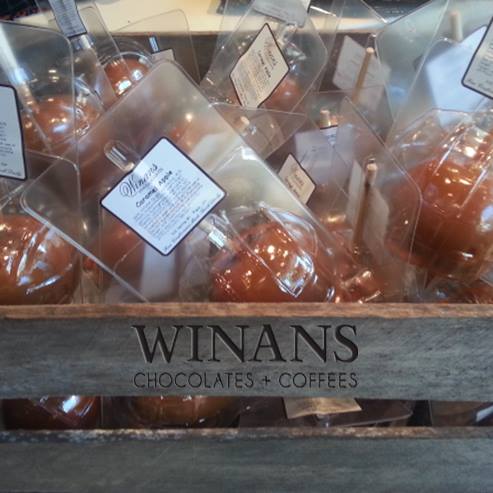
pixel 260 70
pixel 68 18
pixel 297 179
pixel 164 198
pixel 12 159
pixel 479 74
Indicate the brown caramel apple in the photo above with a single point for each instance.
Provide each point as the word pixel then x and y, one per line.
pixel 38 266
pixel 52 413
pixel 54 117
pixel 124 72
pixel 286 96
pixel 454 233
pixel 267 264
pixel 179 411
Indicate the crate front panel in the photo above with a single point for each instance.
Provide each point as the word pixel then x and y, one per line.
pixel 372 351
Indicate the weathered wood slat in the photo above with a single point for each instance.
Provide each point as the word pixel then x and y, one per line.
pixel 404 351
pixel 272 460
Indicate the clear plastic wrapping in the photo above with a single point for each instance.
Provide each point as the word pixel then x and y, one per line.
pixel 165 36
pixel 272 59
pixel 448 155
pixel 255 200
pixel 430 52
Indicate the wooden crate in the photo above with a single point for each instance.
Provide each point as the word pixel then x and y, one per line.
pixel 403 351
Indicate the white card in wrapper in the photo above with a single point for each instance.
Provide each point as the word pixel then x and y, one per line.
pixel 12 161
pixel 260 70
pixel 348 68
pixel 479 74
pixel 164 198
pixel 297 179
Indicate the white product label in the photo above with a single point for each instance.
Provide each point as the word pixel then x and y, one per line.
pixel 479 75
pixel 348 68
pixel 484 413
pixel 300 407
pixel 289 11
pixel 331 134
pixel 12 162
pixel 260 70
pixel 164 198
pixel 68 18
pixel 297 179
pixel 376 212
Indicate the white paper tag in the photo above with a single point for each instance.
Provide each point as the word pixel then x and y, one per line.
pixel 331 134
pixel 376 214
pixel 288 11
pixel 348 67
pixel 479 74
pixel 12 160
pixel 68 18
pixel 484 413
pixel 260 70
pixel 297 179
pixel 164 198
pixel 300 407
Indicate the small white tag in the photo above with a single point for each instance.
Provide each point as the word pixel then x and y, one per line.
pixel 289 11
pixel 479 74
pixel 297 179
pixel 300 407
pixel 331 134
pixel 376 215
pixel 260 70
pixel 484 413
pixel 68 18
pixel 164 198
pixel 348 68
pixel 12 161
pixel 163 55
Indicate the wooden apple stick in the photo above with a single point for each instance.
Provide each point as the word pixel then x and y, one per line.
pixel 363 72
pixel 371 170
pixel 457 27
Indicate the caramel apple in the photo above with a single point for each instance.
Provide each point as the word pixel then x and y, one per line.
pixel 49 124
pixel 124 72
pixel 38 266
pixel 52 413
pixel 178 411
pixel 286 96
pixel 454 233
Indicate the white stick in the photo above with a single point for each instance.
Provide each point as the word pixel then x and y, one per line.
pixel 457 27
pixel 360 81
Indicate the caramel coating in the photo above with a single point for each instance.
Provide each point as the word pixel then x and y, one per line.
pixel 124 72
pixel 54 116
pixel 286 96
pixel 454 233
pixel 37 266
pixel 178 411
pixel 52 413
pixel 263 262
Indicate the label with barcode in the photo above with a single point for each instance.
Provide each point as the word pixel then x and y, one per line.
pixel 288 11
pixel 164 198
pixel 68 17
pixel 297 179
pixel 299 407
pixel 12 160
pixel 479 73
pixel 260 70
